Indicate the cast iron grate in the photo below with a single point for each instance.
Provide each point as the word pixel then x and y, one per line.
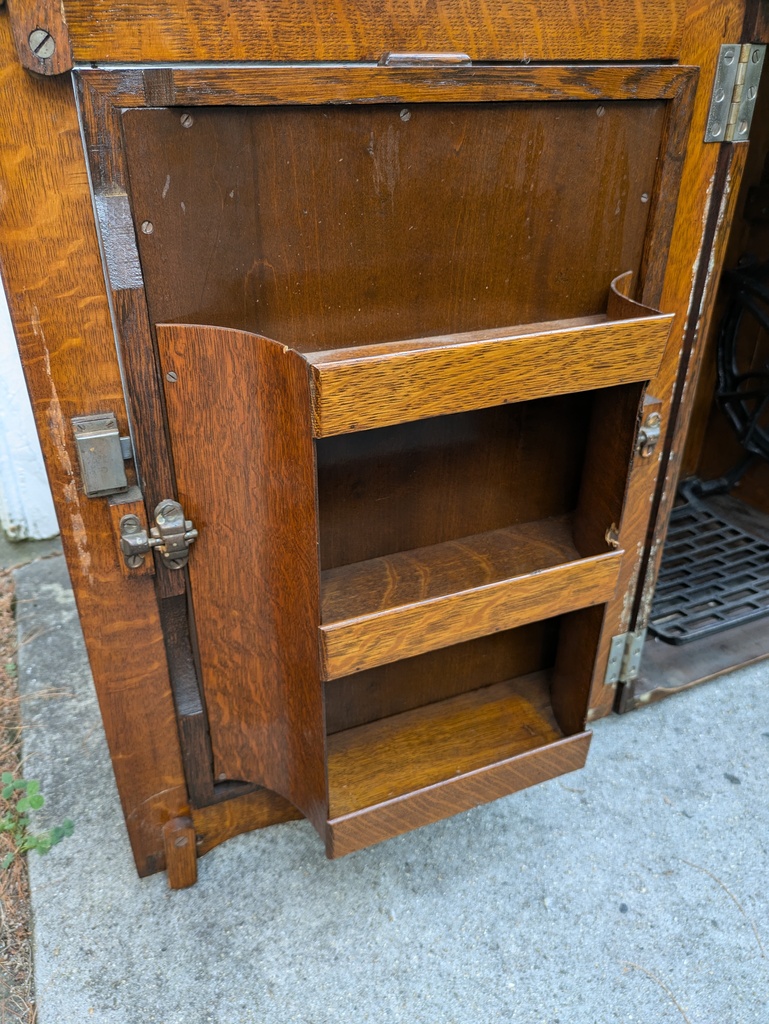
pixel 714 576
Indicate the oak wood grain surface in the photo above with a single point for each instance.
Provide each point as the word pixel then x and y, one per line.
pixel 416 749
pixel 403 772
pixel 424 483
pixel 239 420
pixel 361 389
pixel 253 85
pixel 222 30
pixel 347 225
pixel 392 818
pixel 181 853
pixel 446 672
pixel 471 588
pixel 52 272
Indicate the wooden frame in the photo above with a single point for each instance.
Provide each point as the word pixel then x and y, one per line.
pixel 65 333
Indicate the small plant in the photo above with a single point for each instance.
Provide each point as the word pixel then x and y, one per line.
pixel 21 797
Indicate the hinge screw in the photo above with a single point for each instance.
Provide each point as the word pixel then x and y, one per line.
pixel 42 43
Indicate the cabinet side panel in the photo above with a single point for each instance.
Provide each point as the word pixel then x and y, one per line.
pixel 239 420
pixel 53 276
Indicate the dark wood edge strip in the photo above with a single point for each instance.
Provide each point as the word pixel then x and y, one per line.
pixel 355 83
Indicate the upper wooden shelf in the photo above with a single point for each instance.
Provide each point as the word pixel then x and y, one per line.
pixel 378 385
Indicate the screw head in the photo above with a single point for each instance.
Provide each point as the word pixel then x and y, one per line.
pixel 755 56
pixel 147 227
pixel 187 120
pixel 130 524
pixel 180 841
pixel 172 376
pixel 134 561
pixel 42 43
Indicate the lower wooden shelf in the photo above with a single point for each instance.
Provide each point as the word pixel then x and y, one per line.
pixel 396 774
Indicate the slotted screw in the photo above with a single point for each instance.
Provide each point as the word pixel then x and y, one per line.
pixel 42 43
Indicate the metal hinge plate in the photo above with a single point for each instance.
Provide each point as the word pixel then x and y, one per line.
pixel 734 92
pixel 624 658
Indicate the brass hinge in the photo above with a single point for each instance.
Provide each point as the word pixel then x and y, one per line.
pixel 734 92
pixel 624 658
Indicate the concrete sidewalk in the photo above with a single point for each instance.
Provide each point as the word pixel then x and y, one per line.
pixel 634 891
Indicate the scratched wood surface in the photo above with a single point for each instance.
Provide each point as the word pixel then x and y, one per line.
pixel 434 597
pixel 136 30
pixel 242 403
pixel 52 272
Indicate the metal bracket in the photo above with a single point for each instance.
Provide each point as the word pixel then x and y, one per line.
pixel 734 92
pixel 649 435
pixel 101 454
pixel 172 535
pixel 624 658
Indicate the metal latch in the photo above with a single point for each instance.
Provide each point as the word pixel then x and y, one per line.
pixel 624 658
pixel 649 435
pixel 102 453
pixel 734 92
pixel 171 535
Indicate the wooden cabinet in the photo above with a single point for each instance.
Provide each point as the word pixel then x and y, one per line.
pixel 399 309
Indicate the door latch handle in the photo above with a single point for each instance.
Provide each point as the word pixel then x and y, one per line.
pixel 649 435
pixel 171 535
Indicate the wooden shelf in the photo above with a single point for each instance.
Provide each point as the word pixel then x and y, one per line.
pixel 402 772
pixel 368 386
pixel 411 602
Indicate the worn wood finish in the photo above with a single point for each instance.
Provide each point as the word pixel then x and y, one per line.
pixel 446 672
pixel 28 16
pixel 433 597
pixel 53 276
pixel 464 372
pixel 181 853
pixel 399 773
pixel 242 402
pixel 139 357
pixel 247 85
pixel 421 225
pixel 707 26
pixel 220 30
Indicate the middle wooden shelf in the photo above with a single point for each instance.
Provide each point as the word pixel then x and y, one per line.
pixel 404 604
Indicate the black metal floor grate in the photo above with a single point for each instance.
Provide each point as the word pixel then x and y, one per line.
pixel 714 576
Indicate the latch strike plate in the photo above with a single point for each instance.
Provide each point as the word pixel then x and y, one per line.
pixel 735 89
pixel 101 454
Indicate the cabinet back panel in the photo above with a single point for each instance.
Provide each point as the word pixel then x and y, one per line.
pixel 333 226
pixel 414 682
pixel 416 484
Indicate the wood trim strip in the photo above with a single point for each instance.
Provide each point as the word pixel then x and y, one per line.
pixel 356 83
pixel 220 30
pixel 403 632
pixel 382 385
pixel 422 807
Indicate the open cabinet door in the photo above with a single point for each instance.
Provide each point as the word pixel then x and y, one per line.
pixel 388 331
